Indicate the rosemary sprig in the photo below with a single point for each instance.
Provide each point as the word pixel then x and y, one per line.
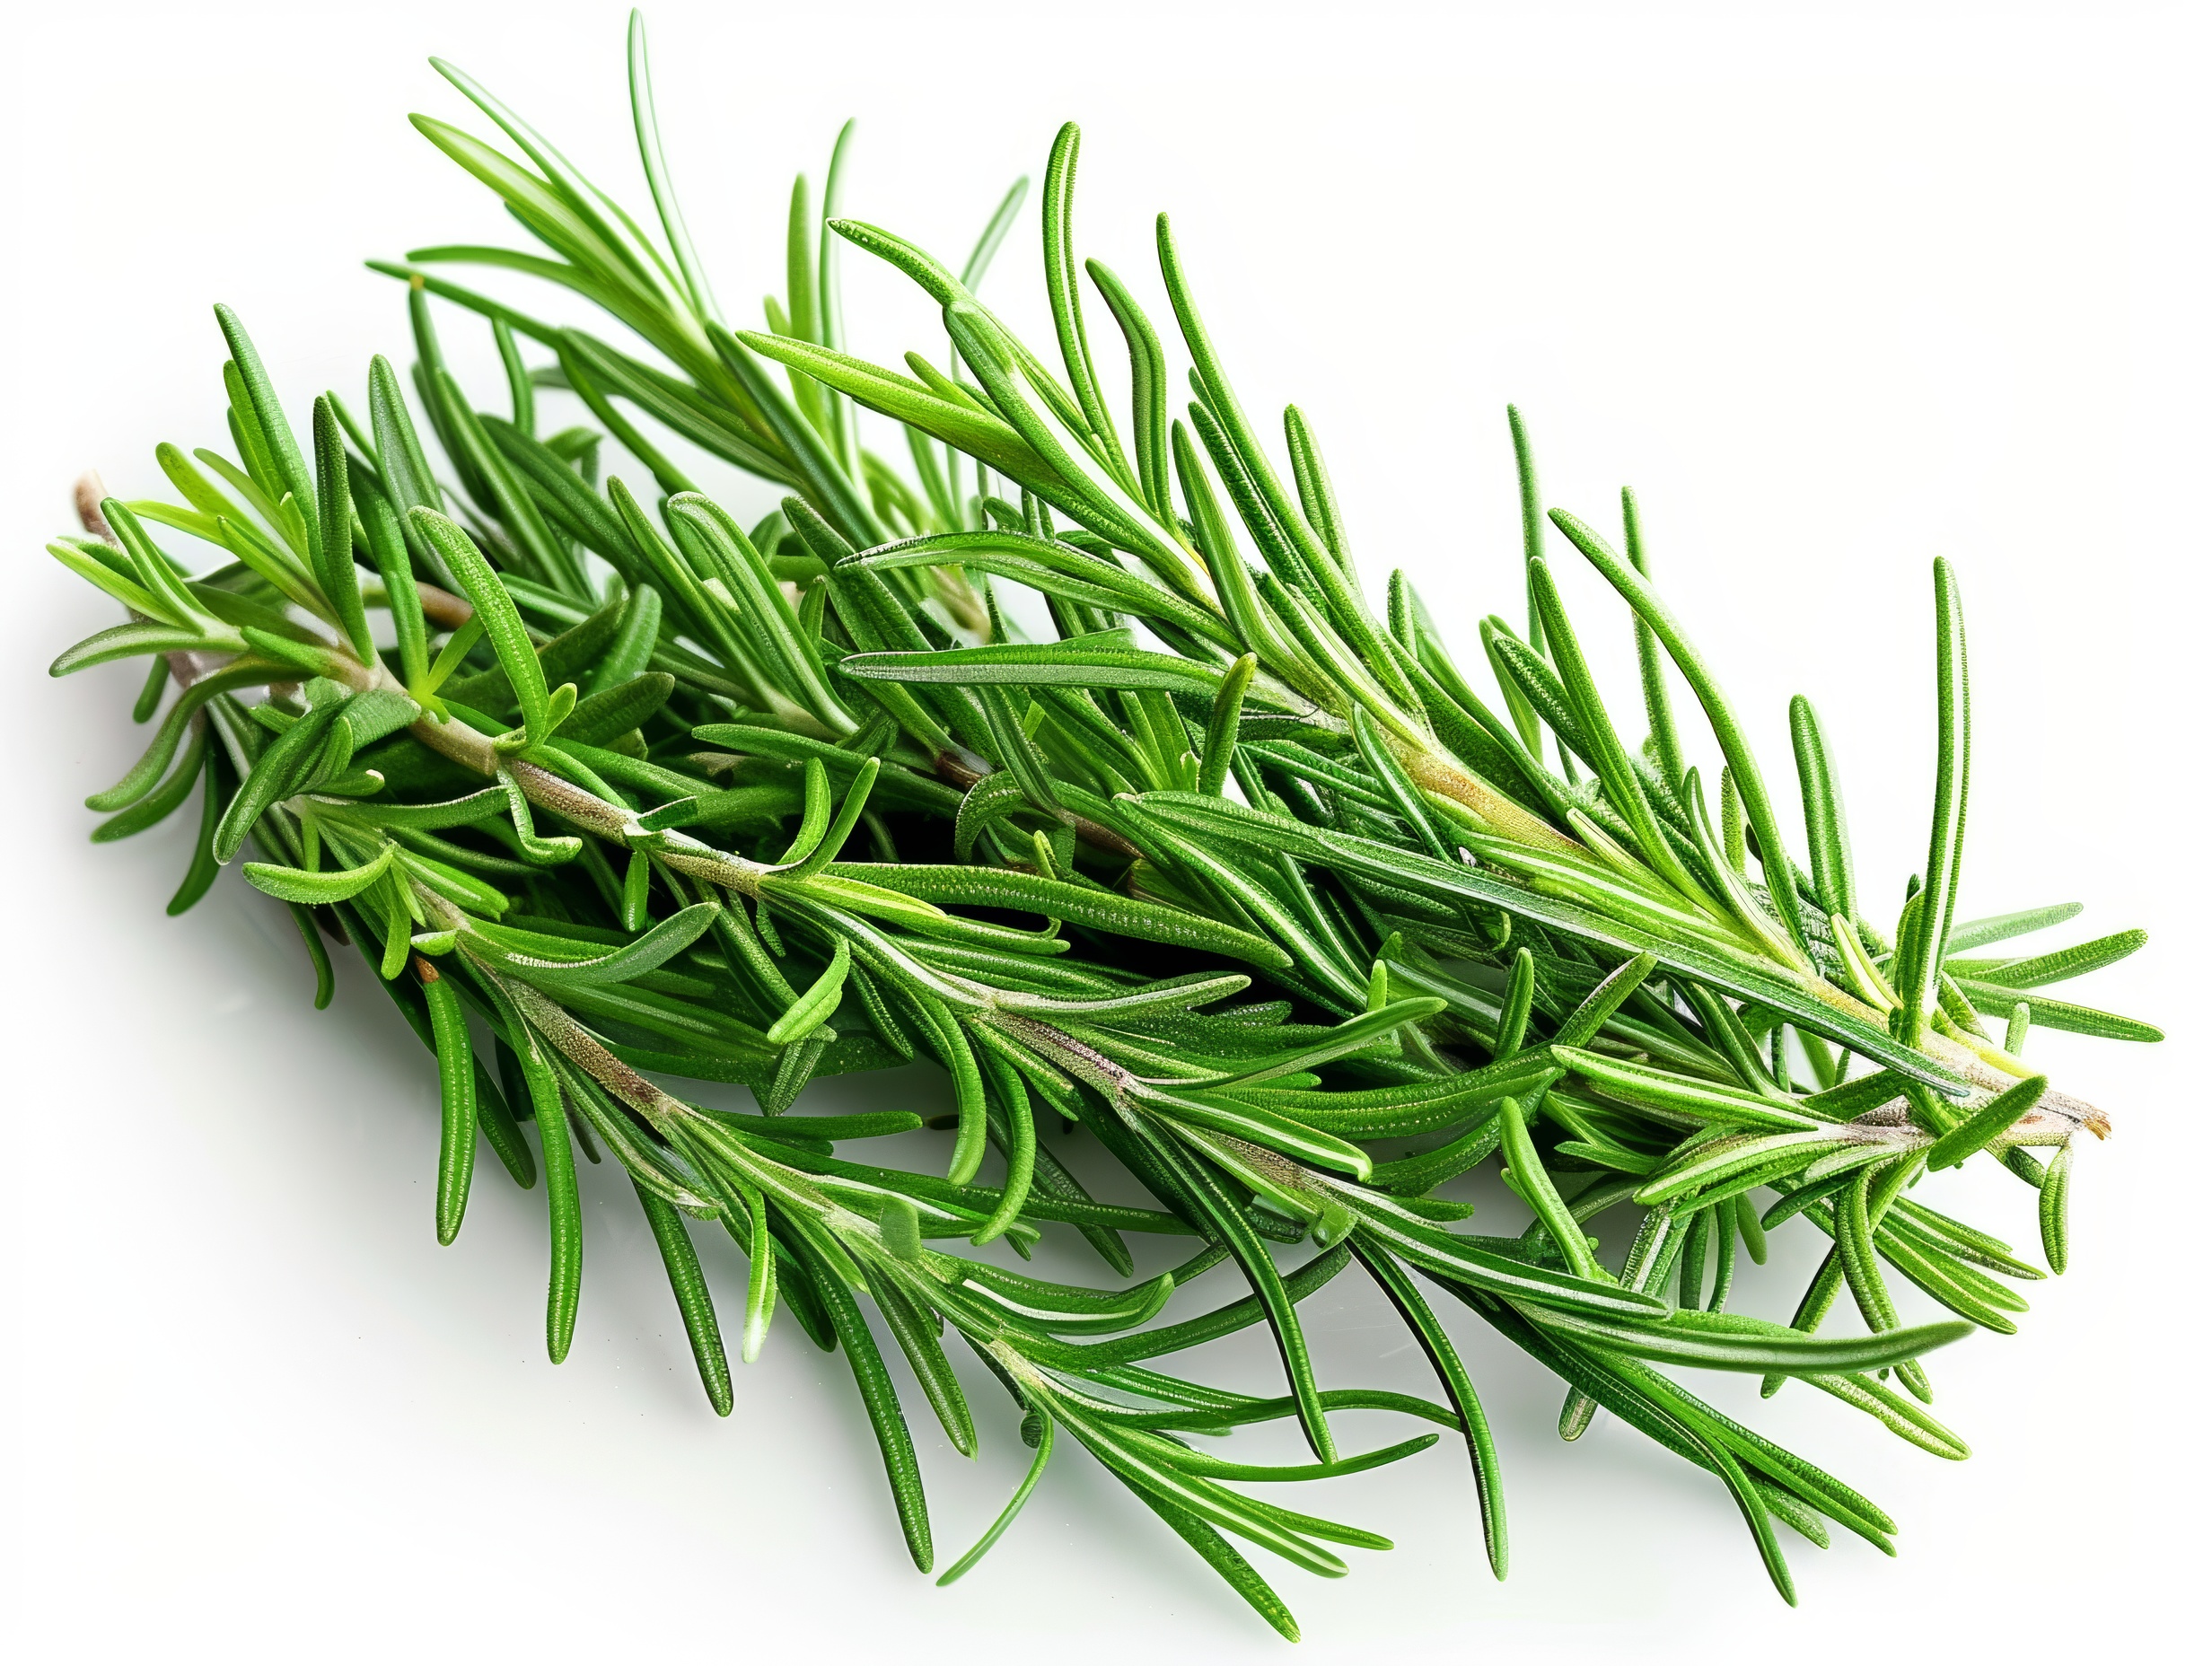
pixel 637 794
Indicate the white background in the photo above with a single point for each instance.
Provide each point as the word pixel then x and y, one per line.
pixel 1838 289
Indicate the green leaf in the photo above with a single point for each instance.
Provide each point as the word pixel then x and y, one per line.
pixel 1028 665
pixel 649 151
pixel 125 642
pixel 2065 963
pixel 467 811
pixel 997 1528
pixel 162 577
pixel 615 710
pixel 401 463
pixel 1225 1559
pixel 1920 948
pixel 637 636
pixel 1658 706
pixel 1710 1101
pixel 157 806
pixel 1148 385
pixel 917 1336
pixel 1583 1024
pixel 175 725
pixel 1534 1185
pixel 1725 1160
pixel 1222 404
pixel 495 612
pixel 1079 904
pixel 830 298
pixel 319 957
pixel 1998 1001
pixel 467 436
pixel 274 775
pixel 1055 570
pixel 880 1398
pixel 1985 1124
pixel 694 1302
pixel 760 1280
pixel 2050 1207
pixel 1194 1118
pixel 299 885
pixel 1825 832
pixel 1743 769
pixel 981 435
pixel 453 884
pixel 560 212
pixel 1065 299
pixel 1444 1360
pixel 759 602
pixel 457 1120
pixel 1735 1342
pixel 1996 928
pixel 1335 1042
pixel 1607 755
pixel 126 591
pixel 290 467
pixel 378 713
pixel 825 850
pixel 649 951
pixel 334 547
pixel 819 1000
pixel 820 472
pixel 201 873
pixel 1220 728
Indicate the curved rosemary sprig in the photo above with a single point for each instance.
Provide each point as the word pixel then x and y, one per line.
pixel 595 804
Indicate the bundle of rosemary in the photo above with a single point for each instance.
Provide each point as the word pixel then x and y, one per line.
pixel 1071 755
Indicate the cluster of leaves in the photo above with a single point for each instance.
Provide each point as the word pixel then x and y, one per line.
pixel 633 794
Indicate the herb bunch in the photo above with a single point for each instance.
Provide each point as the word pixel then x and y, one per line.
pixel 1211 863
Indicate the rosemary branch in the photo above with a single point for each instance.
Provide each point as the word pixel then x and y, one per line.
pixel 635 796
